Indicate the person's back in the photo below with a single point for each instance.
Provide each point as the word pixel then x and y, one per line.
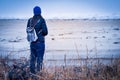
pixel 37 47
pixel 40 28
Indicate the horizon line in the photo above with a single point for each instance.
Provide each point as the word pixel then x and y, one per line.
pixel 92 17
pixel 64 19
pixel 106 17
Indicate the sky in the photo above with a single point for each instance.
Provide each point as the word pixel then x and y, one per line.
pixel 60 8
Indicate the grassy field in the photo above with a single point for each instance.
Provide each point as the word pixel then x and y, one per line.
pixel 71 69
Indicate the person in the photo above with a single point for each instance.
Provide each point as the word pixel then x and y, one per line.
pixel 37 47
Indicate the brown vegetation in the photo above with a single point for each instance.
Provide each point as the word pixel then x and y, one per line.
pixel 85 69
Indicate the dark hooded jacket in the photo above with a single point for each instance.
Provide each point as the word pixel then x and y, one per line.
pixel 40 27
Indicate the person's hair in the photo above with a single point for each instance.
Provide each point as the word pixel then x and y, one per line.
pixel 36 18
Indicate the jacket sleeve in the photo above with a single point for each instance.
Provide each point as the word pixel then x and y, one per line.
pixel 44 28
pixel 28 24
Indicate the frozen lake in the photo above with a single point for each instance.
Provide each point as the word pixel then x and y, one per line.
pixel 70 38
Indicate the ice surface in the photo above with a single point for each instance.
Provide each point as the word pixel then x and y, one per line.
pixel 72 38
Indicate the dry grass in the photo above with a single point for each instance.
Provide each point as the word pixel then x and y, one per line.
pixel 86 69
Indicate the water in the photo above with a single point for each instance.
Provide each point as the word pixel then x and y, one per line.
pixel 70 38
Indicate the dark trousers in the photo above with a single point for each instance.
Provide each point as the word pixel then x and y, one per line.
pixel 36 57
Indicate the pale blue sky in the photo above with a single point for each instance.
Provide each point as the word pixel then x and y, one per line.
pixel 60 8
